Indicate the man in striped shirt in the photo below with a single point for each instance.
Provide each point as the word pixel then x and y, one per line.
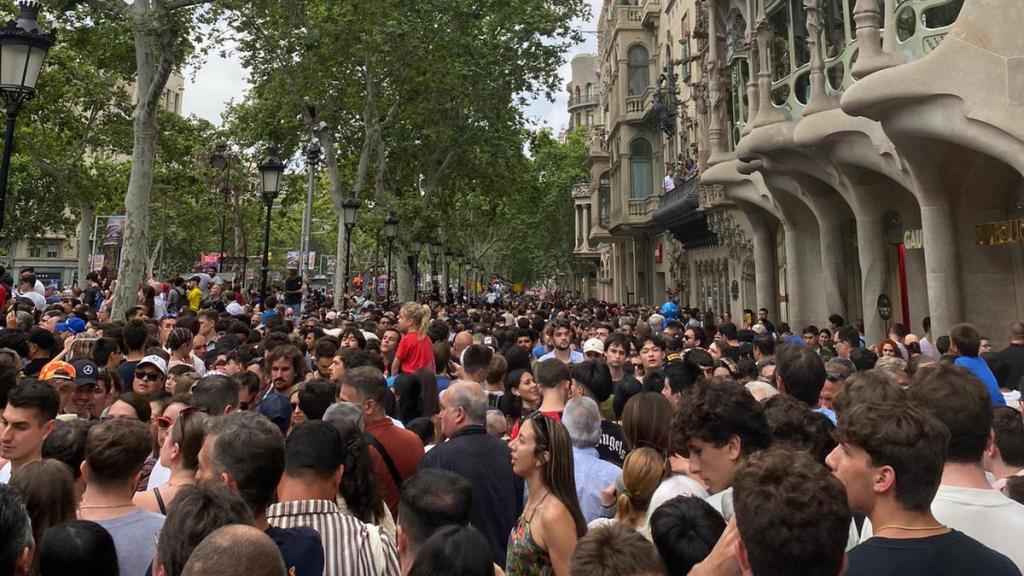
pixel 314 457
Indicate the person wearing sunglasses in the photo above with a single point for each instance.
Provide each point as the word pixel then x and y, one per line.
pixel 179 452
pixel 545 536
pixel 149 376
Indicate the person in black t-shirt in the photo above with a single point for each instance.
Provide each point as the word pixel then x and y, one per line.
pixel 293 290
pixel 890 457
pixel 593 379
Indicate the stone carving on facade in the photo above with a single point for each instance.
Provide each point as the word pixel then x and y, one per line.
pixel 678 268
pixel 730 235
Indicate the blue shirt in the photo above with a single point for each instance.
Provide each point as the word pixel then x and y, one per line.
pixel 981 370
pixel 593 475
pixel 575 357
pixel 828 413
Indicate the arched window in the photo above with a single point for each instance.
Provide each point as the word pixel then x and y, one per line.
pixel 590 91
pixel 639 69
pixel 641 169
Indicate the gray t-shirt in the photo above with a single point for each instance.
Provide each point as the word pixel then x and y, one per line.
pixel 135 540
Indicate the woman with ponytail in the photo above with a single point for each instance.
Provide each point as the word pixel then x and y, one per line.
pixel 415 351
pixel 642 473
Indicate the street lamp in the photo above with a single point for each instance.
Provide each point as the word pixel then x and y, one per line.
pixel 312 159
pixel 417 247
pixel 448 275
pixel 221 163
pixel 271 170
pixel 348 215
pixel 390 232
pixel 435 251
pixel 22 49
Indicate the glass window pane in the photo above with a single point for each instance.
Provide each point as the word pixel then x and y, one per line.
pixel 641 169
pixel 801 53
pixel 780 64
pixel 639 70
pixel 942 16
pixel 833 27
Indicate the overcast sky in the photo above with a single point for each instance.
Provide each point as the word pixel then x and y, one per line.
pixel 209 88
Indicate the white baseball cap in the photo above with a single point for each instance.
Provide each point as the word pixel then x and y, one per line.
pixel 593 345
pixel 154 360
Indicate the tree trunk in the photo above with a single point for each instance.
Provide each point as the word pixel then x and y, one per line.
pixel 85 232
pixel 153 57
pixel 404 275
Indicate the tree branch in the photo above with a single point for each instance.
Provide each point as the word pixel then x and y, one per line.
pixel 113 7
pixel 178 4
pixel 156 87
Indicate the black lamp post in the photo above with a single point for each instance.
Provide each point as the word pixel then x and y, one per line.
pixel 348 214
pixel 390 232
pixel 221 163
pixel 448 275
pixel 417 247
pixel 22 49
pixel 271 170
pixel 460 260
pixel 435 251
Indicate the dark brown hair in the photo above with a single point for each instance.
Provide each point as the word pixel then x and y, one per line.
pixel 646 422
pixel 1009 435
pixel 557 470
pixel 717 410
pixel 792 515
pixel 959 400
pixel 115 450
pixel 48 488
pixel 615 549
pixel 904 437
pixel 966 338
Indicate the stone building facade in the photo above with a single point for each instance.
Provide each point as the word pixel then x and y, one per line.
pixel 847 150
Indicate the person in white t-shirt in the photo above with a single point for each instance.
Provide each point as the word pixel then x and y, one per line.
pixel 965 500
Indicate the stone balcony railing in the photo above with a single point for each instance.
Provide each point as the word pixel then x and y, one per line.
pixel 583 100
pixel 642 208
pixel 652 11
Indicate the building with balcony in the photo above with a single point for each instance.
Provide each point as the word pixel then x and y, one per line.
pixel 583 90
pixel 651 240
pixel 868 156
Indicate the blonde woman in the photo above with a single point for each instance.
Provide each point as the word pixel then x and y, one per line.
pixel 415 350
pixel 642 473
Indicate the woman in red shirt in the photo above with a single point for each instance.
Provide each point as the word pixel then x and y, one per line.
pixel 415 351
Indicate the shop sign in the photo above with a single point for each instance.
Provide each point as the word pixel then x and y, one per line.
pixel 1000 233
pixel 657 253
pixel 913 239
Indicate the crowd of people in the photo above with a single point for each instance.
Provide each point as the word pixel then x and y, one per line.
pixel 537 437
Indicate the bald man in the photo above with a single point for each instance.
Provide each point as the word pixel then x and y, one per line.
pixel 462 341
pixel 236 550
pixel 480 458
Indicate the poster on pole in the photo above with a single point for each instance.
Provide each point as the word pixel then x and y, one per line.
pixel 332 265
pixel 96 261
pixel 311 260
pixel 209 260
pixel 292 259
pixel 114 232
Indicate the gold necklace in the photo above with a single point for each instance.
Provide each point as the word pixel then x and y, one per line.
pixel 910 528
pixel 104 506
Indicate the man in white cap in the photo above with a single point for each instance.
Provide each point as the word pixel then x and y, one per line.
pixel 593 349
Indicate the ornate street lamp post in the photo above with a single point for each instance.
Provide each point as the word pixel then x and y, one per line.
pixel 435 251
pixel 312 159
pixel 390 232
pixel 271 170
pixel 417 247
pixel 22 49
pixel 221 162
pixel 348 214
pixel 448 275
